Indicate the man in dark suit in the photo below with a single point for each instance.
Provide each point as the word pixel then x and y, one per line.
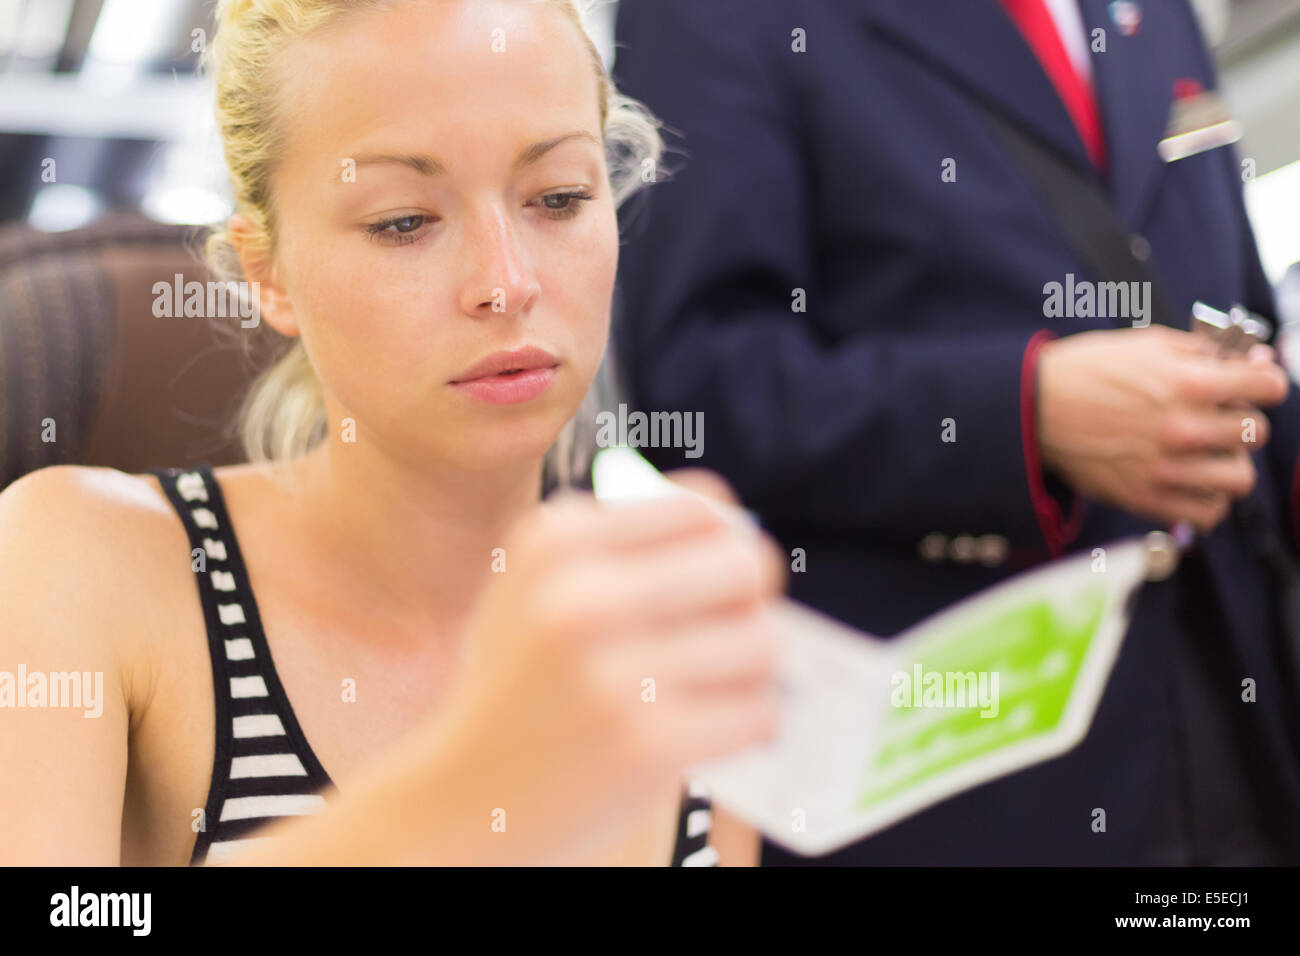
pixel 847 273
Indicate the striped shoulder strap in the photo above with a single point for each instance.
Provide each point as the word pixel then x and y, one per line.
pixel 263 767
pixel 693 828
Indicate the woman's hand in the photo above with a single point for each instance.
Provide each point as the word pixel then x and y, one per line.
pixel 622 645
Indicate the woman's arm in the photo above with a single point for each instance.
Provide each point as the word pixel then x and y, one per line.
pixel 736 842
pixel 544 752
pixel 61 789
pixel 63 540
pixel 67 544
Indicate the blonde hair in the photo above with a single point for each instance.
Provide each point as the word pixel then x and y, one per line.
pixel 283 414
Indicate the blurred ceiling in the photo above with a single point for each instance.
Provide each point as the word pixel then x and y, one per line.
pixel 107 89
pixel 1259 63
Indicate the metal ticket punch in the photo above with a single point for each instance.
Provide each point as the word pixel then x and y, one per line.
pixel 1234 331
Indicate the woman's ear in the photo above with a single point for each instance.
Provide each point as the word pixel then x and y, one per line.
pixel 259 269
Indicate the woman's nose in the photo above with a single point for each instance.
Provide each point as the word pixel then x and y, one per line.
pixel 500 278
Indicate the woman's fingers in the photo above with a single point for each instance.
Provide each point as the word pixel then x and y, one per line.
pixel 723 724
pixel 725 571
pixel 705 656
pixel 577 523
pixel 706 483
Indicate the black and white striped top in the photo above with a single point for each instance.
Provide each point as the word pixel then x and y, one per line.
pixel 263 767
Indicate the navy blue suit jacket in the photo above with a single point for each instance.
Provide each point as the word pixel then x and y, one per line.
pixel 821 171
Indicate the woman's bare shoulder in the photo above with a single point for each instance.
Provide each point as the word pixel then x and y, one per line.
pixel 88 551
pixel 106 532
pixel 93 508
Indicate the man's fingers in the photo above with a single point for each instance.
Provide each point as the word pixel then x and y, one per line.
pixel 1192 343
pixel 1215 429
pixel 1174 505
pixel 1231 475
pixel 1261 353
pixel 1189 343
pixel 1211 381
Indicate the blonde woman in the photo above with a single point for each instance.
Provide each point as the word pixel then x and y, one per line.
pixel 398 653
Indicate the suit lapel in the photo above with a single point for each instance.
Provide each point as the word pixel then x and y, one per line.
pixel 976 45
pixel 1134 84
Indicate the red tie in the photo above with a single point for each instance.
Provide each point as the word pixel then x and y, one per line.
pixel 1039 29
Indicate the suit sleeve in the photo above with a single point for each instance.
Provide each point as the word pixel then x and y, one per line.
pixel 878 433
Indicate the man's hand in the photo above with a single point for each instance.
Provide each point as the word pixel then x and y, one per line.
pixel 1150 421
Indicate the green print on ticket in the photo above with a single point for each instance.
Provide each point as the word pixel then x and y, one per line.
pixel 1035 650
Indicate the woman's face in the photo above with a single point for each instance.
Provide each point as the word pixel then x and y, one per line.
pixel 441 198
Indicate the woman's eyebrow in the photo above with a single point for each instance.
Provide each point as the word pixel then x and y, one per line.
pixel 427 165
pixel 532 154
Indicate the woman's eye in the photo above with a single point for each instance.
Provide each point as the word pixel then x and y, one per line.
pixel 398 231
pixel 564 205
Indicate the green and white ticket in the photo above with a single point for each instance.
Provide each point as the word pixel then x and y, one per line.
pixel 872 731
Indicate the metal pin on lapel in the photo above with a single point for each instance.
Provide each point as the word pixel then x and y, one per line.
pixel 1127 16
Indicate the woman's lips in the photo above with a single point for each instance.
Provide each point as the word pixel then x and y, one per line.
pixel 506 378
pixel 509 388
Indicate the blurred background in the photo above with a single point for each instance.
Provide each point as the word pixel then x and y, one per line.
pixel 110 164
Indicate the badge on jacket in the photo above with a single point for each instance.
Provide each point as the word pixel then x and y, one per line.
pixel 1127 16
pixel 1198 121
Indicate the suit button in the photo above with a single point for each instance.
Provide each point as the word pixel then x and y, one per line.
pixel 932 548
pixel 962 549
pixel 992 549
pixel 1140 246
